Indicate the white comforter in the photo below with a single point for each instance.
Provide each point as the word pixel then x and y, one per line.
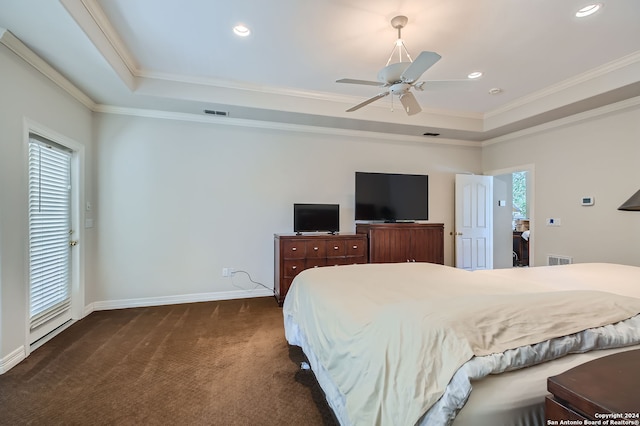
pixel 392 337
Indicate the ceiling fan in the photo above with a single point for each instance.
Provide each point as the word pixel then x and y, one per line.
pixel 399 77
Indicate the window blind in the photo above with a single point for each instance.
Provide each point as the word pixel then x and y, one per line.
pixel 49 230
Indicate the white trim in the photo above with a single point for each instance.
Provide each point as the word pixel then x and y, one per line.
pixel 531 191
pixel 12 359
pixel 77 216
pixel 177 299
pixel 20 49
pixel 53 333
pixel 568 83
pixel 91 18
pixel 572 119
pixel 230 121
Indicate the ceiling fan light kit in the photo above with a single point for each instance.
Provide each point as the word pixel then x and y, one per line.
pixel 398 78
pixel 588 10
pixel 241 30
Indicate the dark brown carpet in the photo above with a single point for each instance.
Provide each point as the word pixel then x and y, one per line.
pixel 214 363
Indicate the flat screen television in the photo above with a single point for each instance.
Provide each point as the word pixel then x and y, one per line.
pixel 391 197
pixel 316 218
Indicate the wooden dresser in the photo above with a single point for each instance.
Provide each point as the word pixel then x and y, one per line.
pixel 295 253
pixel 404 242
pixel 605 388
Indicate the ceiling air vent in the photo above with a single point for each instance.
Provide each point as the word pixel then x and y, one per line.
pixel 214 112
pixel 431 134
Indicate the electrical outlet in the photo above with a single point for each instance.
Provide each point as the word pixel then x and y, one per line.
pixel 554 221
pixel 226 272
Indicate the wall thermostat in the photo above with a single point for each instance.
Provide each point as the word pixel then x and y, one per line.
pixel 587 201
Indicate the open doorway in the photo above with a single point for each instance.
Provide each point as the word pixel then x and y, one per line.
pixel 521 219
pixel 513 217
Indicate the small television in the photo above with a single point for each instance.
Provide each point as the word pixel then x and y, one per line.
pixel 391 197
pixel 316 218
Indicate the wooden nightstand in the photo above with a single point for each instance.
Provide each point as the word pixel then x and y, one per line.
pixel 593 390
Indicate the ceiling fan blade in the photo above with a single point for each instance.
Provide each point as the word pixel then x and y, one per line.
pixel 410 103
pixel 423 62
pixel 368 101
pixel 365 82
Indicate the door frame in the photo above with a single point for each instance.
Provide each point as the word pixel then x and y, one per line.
pixel 77 224
pixel 529 168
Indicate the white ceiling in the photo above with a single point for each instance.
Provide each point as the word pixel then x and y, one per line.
pixel 183 57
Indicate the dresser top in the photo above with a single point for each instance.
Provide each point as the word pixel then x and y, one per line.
pixel 318 235
pixel 605 385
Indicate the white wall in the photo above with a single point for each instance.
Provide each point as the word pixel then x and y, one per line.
pixel 502 220
pixel 26 94
pixel 180 200
pixel 597 157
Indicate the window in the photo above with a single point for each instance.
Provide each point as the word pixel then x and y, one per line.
pixel 520 208
pixel 49 231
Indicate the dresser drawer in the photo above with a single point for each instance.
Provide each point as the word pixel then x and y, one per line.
pixel 292 267
pixel 346 248
pixel 336 248
pixel 555 411
pixel 316 249
pixel 293 249
pixel 295 253
pixel 344 260
pixel 356 247
pixel 314 262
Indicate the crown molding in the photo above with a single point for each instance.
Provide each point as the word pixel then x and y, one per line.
pixel 26 54
pixel 21 50
pixel 270 125
pixel 91 18
pixel 576 118
pixel 585 77
pixel 286 91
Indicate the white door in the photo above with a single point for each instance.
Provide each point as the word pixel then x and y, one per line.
pixel 474 222
pixel 50 237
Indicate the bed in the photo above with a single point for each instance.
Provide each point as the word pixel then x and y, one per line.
pixel 420 343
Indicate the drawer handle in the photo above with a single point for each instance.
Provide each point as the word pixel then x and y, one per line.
pixel 335 247
pixel 315 248
pixel 294 267
pixel 294 248
pixel 355 247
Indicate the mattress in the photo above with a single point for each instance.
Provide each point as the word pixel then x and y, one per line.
pixel 391 282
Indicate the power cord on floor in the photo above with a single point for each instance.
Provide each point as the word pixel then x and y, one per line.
pixel 258 284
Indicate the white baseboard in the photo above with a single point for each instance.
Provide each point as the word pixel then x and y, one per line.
pixel 173 300
pixel 12 359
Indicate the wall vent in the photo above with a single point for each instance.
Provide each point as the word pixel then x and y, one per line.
pixel 431 134
pixel 214 112
pixel 554 260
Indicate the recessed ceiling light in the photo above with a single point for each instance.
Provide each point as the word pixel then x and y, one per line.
pixel 241 30
pixel 495 91
pixel 588 10
pixel 475 74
